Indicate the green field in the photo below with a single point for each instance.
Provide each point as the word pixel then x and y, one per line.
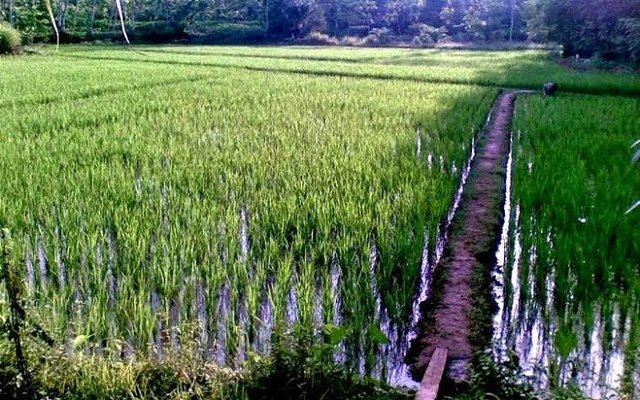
pixel 207 197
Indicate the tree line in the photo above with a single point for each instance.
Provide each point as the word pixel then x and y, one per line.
pixel 606 28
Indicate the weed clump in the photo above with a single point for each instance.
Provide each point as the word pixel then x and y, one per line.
pixel 10 41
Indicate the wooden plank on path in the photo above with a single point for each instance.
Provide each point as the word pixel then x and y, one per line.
pixel 431 379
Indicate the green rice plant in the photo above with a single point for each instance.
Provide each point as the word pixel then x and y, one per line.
pixel 578 265
pixel 204 198
pixel 634 159
pixel 516 69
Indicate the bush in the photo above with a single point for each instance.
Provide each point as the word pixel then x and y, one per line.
pixel 627 38
pixel 9 39
pixel 320 39
pixel 227 33
pixel 300 367
pixel 358 30
pixel 156 31
pixel 424 35
pixel 73 37
pixel 351 41
pixel 379 37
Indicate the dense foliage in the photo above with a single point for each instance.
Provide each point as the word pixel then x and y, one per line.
pixel 9 39
pixel 610 29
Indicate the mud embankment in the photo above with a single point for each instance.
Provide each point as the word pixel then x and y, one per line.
pixel 447 316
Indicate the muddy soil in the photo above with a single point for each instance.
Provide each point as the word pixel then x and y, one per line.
pixel 475 231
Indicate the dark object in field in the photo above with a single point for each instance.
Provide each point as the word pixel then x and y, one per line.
pixel 549 88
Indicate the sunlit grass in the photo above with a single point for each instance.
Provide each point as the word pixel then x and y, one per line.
pixel 517 69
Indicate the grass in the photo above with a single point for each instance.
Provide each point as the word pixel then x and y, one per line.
pixel 517 69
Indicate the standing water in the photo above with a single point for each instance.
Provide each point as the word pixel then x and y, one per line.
pixel 28 260
pixel 243 330
pixel 262 341
pixel 291 309
pixel 42 262
pixel 244 235
pixel 529 327
pixel 336 291
pixel 222 311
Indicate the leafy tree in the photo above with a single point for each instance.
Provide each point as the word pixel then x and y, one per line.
pixel 296 18
pixel 591 27
pixel 400 14
pixel 474 20
pixel 606 28
pixel 31 20
pixel 536 30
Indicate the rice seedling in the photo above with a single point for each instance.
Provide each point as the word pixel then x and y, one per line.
pixel 211 198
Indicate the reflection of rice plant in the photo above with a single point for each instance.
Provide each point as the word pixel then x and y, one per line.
pixel 636 157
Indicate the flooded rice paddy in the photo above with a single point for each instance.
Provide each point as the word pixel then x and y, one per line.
pixel 151 220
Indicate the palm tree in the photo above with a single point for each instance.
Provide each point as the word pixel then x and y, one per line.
pixel 55 26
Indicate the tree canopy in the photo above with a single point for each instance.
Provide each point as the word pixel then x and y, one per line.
pixel 608 28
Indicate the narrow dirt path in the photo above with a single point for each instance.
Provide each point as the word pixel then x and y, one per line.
pixel 475 232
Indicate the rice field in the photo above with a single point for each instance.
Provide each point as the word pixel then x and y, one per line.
pixel 526 69
pixel 571 275
pixel 223 195
pixel 147 200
